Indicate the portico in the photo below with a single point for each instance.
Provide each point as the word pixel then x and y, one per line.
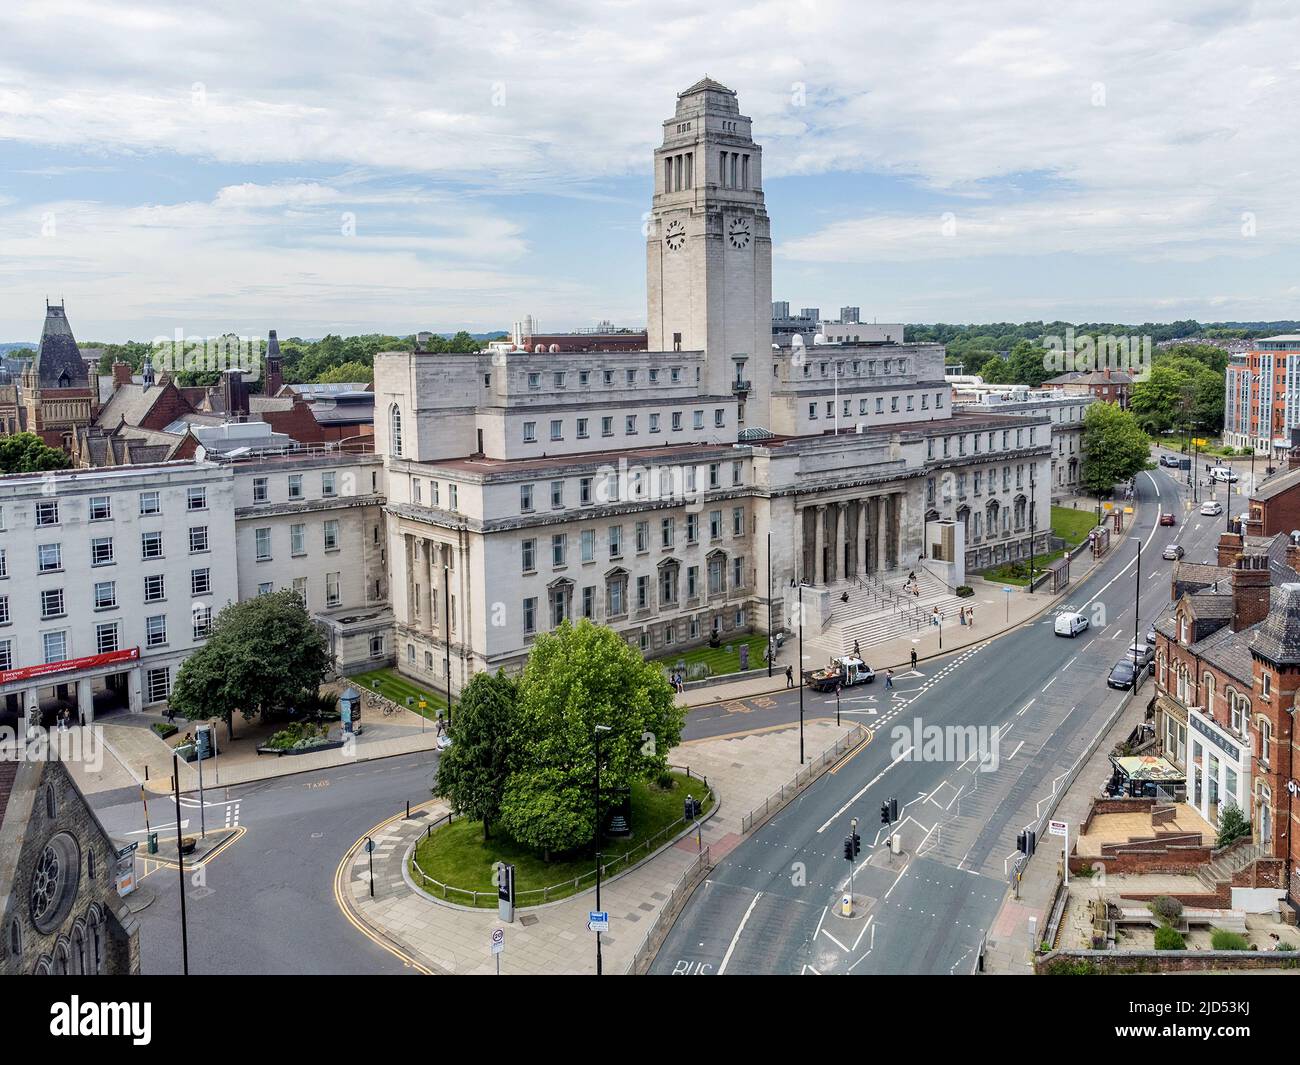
pixel 843 538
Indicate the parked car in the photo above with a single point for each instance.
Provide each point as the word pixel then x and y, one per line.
pixel 1143 654
pixel 1223 473
pixel 1173 552
pixel 1151 634
pixel 1070 624
pixel 1211 508
pixel 1168 519
pixel 1121 676
pixel 1169 460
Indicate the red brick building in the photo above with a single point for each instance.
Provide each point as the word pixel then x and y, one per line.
pixel 1227 674
pixel 1107 385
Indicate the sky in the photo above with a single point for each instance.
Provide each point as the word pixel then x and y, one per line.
pixel 356 166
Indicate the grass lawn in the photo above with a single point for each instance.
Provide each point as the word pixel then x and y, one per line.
pixel 722 659
pixel 1018 572
pixel 457 855
pixel 390 683
pixel 1072 526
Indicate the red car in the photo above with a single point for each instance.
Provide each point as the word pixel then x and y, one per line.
pixel 1168 519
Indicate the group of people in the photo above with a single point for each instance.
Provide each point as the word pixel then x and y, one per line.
pixel 678 681
pixel 965 616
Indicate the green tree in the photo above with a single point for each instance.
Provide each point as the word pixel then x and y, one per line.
pixel 1115 448
pixel 28 453
pixel 1158 402
pixel 473 771
pixel 1232 824
pixel 578 677
pixel 347 372
pixel 264 656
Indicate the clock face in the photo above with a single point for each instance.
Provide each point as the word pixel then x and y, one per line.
pixel 738 233
pixel 675 236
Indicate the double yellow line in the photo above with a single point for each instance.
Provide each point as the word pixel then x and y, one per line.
pixel 348 910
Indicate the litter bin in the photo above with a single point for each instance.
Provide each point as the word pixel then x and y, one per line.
pixel 153 842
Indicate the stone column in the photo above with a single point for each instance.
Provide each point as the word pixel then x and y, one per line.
pixel 408 546
pixel 134 694
pixel 85 701
pixel 882 533
pixel 798 556
pixel 430 546
pixel 819 544
pixel 840 569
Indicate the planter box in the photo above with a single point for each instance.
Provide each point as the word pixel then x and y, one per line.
pixel 331 745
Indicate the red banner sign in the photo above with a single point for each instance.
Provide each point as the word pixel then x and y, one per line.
pixel 69 664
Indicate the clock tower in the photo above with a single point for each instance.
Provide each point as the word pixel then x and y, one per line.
pixel 709 248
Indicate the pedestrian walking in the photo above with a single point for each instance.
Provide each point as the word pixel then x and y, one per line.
pixel 789 676
pixel 970 616
pixel 857 651
pixel 913 657
pixel 961 615
pixel 889 680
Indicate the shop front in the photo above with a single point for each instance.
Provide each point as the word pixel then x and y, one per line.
pixel 1218 768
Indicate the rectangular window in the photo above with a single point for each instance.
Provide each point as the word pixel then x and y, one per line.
pixel 106 638
pixel 582 429
pixel 737 521
pixel 692 581
pixel 557 495
pixel 529 549
pixel 697 419
pixel 101 551
pixel 300 586
pixel 331 536
pixel 295 486
pixel 719 417
pixel 198 538
pixel 665 532
pixel 616 541
pixel 157 684
pixel 196 498
pixel 47 512
pixel 155 630
pixel 630 425
pixel 557 429
pixel 55 646
pixel 6 655
pixel 297 539
pixel 530 432
pixel 584 491
pixel 151 545
pixel 261 489
pixel 101 509
pixel 559 549
pixel 642 593
pixel 530 615
pixel 589 602
pixel 262 542
pixel 453 493
pixel 588 542
pixel 105 595
pixel 202 619
pixel 737 569
pixel 52 603
pixel 526 498
pixel 327 483
pixel 49 557
pixel 607 426
pixel 155 588
pixel 715 524
pixel 692 528
pixel 677 421
pixel 150 503
pixel 333 595
pixel 200 581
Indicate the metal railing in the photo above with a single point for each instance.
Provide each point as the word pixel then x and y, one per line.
pixel 564 888
pixel 655 934
pixel 802 779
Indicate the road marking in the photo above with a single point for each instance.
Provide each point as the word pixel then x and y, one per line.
pixel 867 787
pixel 1049 684
pixel 736 938
pixel 836 942
pixel 864 931
pixel 1071 662
pixel 820 920
pixel 1027 705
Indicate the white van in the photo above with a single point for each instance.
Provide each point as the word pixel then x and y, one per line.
pixel 1070 624
pixel 1223 473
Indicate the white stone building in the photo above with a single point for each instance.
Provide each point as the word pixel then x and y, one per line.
pixel 681 490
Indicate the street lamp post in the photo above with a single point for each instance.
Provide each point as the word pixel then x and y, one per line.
pixel 599 729
pixel 800 673
pixel 446 620
pixel 770 647
pixel 1137 610
pixel 180 867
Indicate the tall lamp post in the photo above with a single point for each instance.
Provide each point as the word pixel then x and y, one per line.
pixel 800 669
pixel 599 730
pixel 771 644
pixel 1137 611
pixel 446 620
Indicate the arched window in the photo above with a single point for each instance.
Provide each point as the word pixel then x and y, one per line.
pixel 51 802
pixel 395 429
pixel 1209 694
pixel 1265 740
pixel 15 938
pixel 95 942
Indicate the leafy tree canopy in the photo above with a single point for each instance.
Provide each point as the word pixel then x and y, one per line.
pixel 472 773
pixel 1115 447
pixel 28 453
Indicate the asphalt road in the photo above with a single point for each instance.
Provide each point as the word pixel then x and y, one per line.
pixel 265 903
pixel 1035 702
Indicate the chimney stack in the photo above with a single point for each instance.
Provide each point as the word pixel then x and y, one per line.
pixel 121 374
pixel 1251 583
pixel 1293 555
pixel 1229 548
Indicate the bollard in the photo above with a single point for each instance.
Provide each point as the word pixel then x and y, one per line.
pixel 408 809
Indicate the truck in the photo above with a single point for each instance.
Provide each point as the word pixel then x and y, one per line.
pixel 845 672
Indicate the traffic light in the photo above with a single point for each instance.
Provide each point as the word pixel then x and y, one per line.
pixel 857 844
pixel 848 847
pixel 893 810
pixel 884 813
pixel 1026 841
